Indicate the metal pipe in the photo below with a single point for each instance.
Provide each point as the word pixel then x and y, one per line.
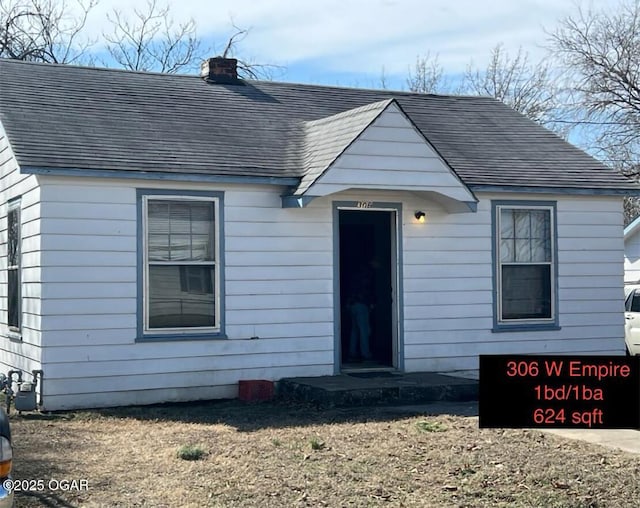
pixel 10 383
pixel 35 374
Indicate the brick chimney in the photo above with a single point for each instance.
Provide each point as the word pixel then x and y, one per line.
pixel 220 70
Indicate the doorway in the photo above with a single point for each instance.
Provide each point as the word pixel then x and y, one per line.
pixel 367 285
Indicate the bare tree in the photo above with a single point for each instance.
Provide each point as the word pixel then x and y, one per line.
pixel 151 40
pixel 631 209
pixel 602 49
pixel 246 68
pixel 526 87
pixel 383 82
pixel 427 76
pixel 44 30
pixel 53 31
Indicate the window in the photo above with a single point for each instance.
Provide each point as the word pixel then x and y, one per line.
pixel 632 304
pixel 525 271
pixel 181 258
pixel 13 265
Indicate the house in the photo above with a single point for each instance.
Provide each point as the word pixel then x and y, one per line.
pixel 632 252
pixel 163 237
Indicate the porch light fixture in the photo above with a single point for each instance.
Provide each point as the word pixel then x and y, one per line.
pixel 420 216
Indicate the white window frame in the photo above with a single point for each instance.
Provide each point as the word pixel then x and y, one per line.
pixel 147 330
pixel 500 321
pixel 15 206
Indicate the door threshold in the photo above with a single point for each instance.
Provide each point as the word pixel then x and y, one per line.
pixel 367 368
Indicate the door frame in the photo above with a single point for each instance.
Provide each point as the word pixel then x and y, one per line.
pixel 397 314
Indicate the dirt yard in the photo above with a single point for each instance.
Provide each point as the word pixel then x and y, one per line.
pixel 275 455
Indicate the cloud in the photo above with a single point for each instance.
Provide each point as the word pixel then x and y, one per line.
pixel 360 36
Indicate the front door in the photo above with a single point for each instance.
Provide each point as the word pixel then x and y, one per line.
pixel 367 285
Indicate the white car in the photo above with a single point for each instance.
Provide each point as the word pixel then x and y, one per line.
pixel 632 319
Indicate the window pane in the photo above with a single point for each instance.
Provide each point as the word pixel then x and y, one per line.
pixel 635 303
pixel 158 246
pixel 194 279
pixel 13 300
pixel 13 225
pixel 540 250
pixel 506 224
pixel 180 247
pixel 523 251
pixel 202 231
pixel 627 302
pixel 180 217
pixel 507 254
pixel 181 296
pixel 540 223
pixel 523 223
pixel 540 235
pixel 526 292
pixel 201 218
pixel 201 248
pixel 158 217
pixel 525 235
pixel 180 231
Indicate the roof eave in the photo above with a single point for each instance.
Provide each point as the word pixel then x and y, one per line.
pixel 161 175
pixel 578 191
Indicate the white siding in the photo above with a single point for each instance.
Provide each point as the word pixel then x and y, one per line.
pixel 20 352
pixel 391 154
pixel 448 285
pixel 632 258
pixel 279 288
pixel 278 279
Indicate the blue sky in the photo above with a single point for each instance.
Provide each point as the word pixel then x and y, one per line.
pixel 348 42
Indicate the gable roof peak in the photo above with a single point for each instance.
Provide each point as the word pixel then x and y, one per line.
pixel 375 108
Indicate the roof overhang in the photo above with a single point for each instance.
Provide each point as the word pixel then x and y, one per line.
pixel 631 229
pixel 449 204
pixel 556 190
pixel 159 175
pixel 291 201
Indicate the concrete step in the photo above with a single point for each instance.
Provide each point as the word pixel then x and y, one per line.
pixel 377 389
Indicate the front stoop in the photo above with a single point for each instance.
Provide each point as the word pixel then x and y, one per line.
pixel 377 389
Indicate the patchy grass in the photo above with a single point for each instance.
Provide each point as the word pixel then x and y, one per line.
pixel 264 455
pixel 316 444
pixel 191 452
pixel 426 426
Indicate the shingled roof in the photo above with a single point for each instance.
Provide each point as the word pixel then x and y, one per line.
pixel 66 118
pixel 327 138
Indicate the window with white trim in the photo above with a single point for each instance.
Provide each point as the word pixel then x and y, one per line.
pixel 181 268
pixel 14 247
pixel 525 264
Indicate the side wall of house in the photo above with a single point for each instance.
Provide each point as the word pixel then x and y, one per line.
pixel 632 258
pixel 279 288
pixel 20 351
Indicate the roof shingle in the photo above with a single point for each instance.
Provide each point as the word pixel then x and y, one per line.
pixel 68 117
